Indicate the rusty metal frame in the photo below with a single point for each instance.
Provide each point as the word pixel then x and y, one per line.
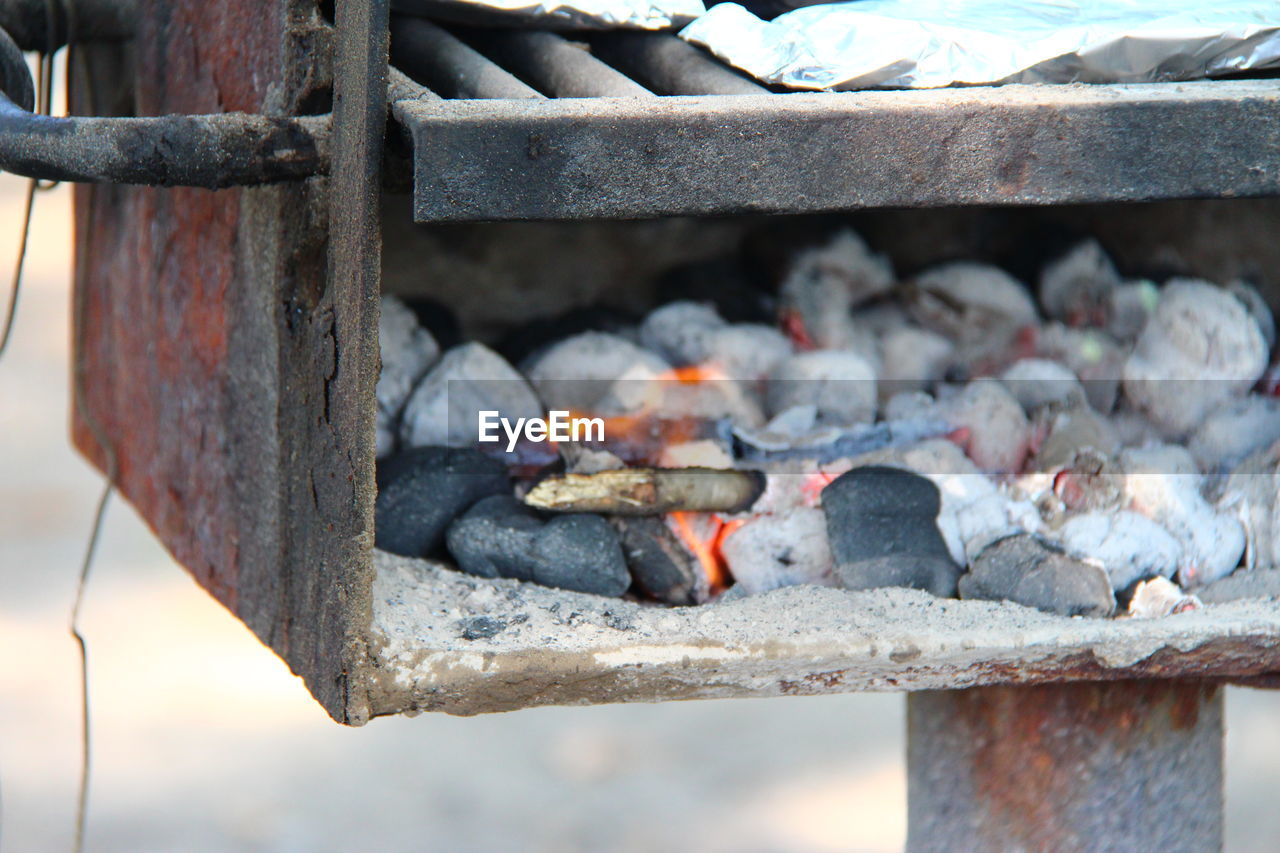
pixel 229 340
pixel 226 359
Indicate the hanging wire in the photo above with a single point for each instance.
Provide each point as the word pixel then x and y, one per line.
pixel 15 285
pixel 44 104
pixel 87 416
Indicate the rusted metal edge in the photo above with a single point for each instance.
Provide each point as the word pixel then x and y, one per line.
pixel 603 158
pixel 792 642
pixel 351 293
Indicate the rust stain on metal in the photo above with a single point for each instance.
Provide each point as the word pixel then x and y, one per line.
pixel 230 389
pixel 1031 744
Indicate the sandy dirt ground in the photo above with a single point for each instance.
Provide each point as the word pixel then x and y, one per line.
pixel 203 741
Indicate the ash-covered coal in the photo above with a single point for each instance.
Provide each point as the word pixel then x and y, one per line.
pixel 1026 569
pixel 407 351
pixel 1098 438
pixel 500 537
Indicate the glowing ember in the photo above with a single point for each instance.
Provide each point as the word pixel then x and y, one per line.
pixel 793 328
pixel 813 485
pixel 691 374
pixel 702 533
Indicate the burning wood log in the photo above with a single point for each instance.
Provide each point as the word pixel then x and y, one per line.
pixel 649 491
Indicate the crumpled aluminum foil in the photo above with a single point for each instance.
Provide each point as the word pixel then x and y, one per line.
pixel 921 44
pixel 562 14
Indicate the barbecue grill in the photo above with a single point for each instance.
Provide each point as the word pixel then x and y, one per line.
pixel 226 352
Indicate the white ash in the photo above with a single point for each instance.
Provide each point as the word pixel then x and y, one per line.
pixel 704 453
pixel 880 637
pixel 681 331
pixel 1063 434
pixel 1231 433
pixel 1133 429
pixel 470 378
pixel 667 398
pixel 1091 481
pixel 1258 583
pixel 581 459
pixel 747 352
pixel 1162 483
pixel 840 385
pixel 407 351
pixel 1129 546
pixel 1129 307
pixel 978 306
pixel 996 429
pixel 910 405
pixel 993 517
pixel 773 551
pixel 912 358
pixel 825 283
pixel 1092 355
pixel 788 487
pixel 1257 307
pixel 975 510
pixel 1251 495
pixel 1037 382
pixel 1200 349
pixel 1077 287
pixel 577 373
pixel 795 422
pixel 1161 597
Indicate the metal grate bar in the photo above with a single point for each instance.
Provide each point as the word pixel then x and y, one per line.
pixel 401 87
pixel 556 65
pixel 440 60
pixel 671 66
pixel 626 158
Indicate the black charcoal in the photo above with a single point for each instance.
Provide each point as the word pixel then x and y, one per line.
pixel 883 527
pixel 501 537
pixel 480 627
pixel 421 491
pixel 662 567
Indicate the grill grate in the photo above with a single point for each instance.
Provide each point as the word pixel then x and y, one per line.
pixel 469 63
pixel 513 124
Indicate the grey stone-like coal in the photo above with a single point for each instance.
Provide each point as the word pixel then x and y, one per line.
pixel 562 648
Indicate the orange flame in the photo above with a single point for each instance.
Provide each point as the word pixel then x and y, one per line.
pixel 692 374
pixel 703 534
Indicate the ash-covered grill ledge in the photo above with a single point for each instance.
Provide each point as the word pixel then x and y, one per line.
pixel 531 645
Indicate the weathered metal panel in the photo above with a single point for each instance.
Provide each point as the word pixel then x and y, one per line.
pixel 1134 765
pixel 215 356
pixel 583 158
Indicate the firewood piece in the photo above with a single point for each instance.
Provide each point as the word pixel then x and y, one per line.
pixel 649 491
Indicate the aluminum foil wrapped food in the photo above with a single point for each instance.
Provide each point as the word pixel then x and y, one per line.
pixel 561 14
pixel 922 44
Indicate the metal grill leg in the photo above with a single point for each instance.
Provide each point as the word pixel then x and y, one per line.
pixel 1133 765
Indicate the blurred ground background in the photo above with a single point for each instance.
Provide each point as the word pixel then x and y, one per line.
pixel 205 742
